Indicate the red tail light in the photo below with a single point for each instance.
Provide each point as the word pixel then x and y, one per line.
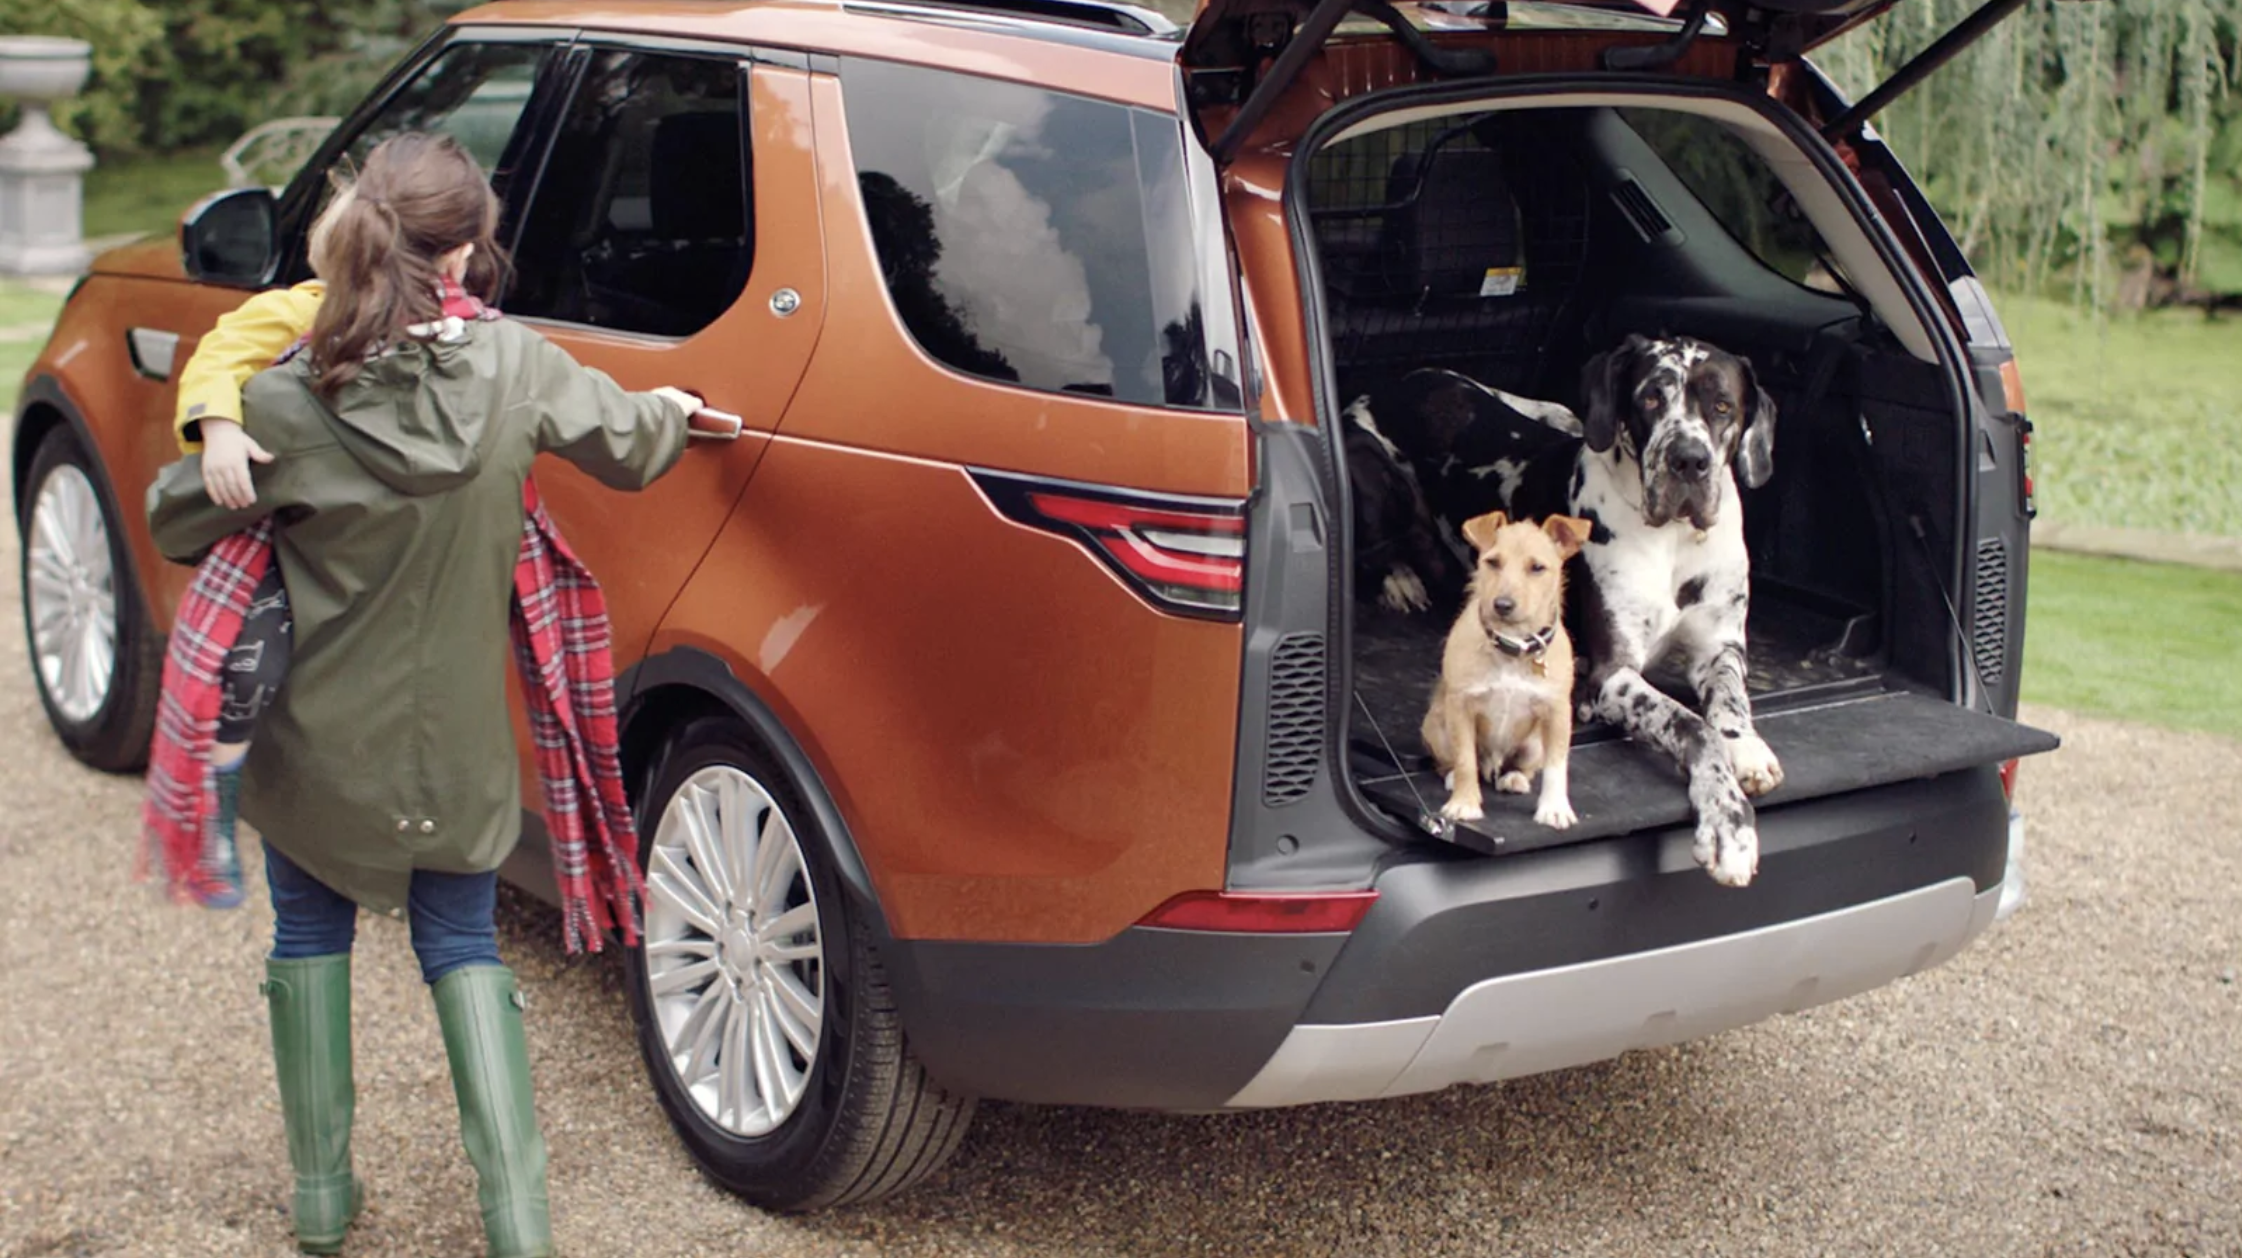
pixel 1273 913
pixel 1181 554
pixel 2008 780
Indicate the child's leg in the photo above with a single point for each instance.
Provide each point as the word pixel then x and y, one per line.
pixel 254 668
pixel 253 671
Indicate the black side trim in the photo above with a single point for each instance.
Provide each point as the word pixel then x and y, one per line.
pixel 1444 922
pixel 1161 1019
pixel 699 671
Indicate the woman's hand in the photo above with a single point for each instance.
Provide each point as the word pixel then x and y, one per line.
pixel 227 452
pixel 685 402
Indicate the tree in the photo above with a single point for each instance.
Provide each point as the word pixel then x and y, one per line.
pixel 2077 142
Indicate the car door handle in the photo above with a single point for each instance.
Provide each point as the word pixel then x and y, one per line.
pixel 710 424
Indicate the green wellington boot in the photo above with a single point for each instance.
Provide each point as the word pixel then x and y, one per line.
pixel 481 1012
pixel 309 999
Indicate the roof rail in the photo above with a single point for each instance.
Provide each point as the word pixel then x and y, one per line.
pixel 1104 15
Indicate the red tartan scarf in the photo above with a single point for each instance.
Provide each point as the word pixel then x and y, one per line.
pixel 561 642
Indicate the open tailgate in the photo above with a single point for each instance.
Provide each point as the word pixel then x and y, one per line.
pixel 1619 786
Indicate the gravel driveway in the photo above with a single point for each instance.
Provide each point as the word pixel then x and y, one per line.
pixel 2069 1085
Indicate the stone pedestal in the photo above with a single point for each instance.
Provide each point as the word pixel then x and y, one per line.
pixel 42 171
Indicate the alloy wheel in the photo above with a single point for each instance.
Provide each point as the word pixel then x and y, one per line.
pixel 734 955
pixel 72 594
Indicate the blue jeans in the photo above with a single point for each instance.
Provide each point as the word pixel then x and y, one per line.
pixel 450 914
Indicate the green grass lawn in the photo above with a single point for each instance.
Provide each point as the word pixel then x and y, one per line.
pixel 148 194
pixel 2138 419
pixel 2138 641
pixel 22 305
pixel 21 308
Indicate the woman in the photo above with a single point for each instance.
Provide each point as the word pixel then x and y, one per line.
pixel 383 774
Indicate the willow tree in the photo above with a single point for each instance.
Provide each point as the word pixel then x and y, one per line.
pixel 2074 141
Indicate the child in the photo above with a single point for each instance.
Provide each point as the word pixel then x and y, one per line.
pixel 244 342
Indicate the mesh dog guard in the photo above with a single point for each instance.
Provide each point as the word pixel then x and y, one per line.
pixel 1449 243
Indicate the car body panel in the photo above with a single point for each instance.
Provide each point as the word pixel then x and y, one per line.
pixel 747 362
pixel 1022 748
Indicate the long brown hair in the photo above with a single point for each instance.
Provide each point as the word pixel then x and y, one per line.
pixel 377 245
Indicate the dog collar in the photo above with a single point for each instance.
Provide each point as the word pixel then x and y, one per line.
pixel 1531 646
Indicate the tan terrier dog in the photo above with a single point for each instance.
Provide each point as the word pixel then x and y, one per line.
pixel 1504 702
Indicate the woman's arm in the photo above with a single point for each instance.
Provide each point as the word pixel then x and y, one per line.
pixel 623 439
pixel 185 523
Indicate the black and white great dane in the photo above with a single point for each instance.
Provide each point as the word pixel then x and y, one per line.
pixel 1669 426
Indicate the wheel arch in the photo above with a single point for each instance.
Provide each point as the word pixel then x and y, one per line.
pixel 44 407
pixel 667 690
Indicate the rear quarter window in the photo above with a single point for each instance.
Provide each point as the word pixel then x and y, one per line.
pixel 1734 183
pixel 1032 236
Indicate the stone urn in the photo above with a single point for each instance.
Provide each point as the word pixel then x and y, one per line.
pixel 42 171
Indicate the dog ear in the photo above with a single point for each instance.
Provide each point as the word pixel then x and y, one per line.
pixel 1600 393
pixel 1569 532
pixel 1755 450
pixel 1480 530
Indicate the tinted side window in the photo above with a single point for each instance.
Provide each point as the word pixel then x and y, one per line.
pixel 473 92
pixel 1733 182
pixel 1032 236
pixel 641 221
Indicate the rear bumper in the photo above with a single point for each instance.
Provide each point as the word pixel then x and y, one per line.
pixel 1473 968
pixel 1524 1024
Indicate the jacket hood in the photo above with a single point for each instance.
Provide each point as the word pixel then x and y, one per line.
pixel 418 417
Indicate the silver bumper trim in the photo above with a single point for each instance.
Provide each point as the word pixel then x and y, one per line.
pixel 1524 1024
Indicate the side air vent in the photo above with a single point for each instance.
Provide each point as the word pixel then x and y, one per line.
pixel 1643 213
pixel 1296 704
pixel 1989 613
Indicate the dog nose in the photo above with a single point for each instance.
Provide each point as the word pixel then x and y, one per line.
pixel 1690 459
pixel 1505 605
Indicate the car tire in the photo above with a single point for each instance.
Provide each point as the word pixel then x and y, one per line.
pixel 733 960
pixel 80 604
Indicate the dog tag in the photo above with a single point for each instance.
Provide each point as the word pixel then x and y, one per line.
pixel 1541 667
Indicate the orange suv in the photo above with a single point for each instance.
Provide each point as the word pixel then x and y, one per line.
pixel 1000 707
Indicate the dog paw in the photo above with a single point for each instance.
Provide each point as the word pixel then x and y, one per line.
pixel 1757 770
pixel 1729 853
pixel 1462 810
pixel 1404 591
pixel 1513 783
pixel 1557 814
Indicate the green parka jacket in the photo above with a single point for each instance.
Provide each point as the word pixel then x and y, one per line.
pixel 389 746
